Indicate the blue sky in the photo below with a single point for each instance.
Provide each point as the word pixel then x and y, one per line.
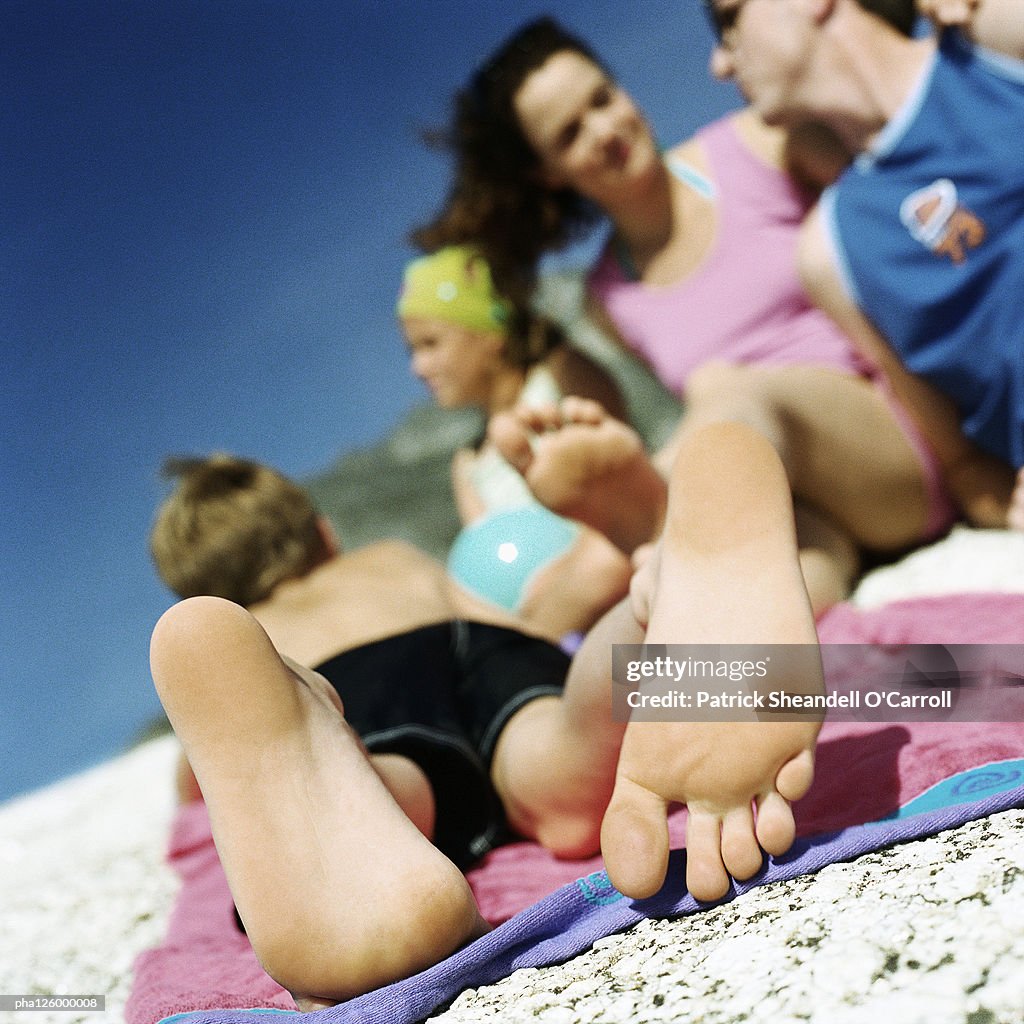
pixel 204 212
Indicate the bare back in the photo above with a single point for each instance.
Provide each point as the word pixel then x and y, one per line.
pixel 356 598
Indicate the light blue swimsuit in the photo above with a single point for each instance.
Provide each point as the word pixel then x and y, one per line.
pixel 498 555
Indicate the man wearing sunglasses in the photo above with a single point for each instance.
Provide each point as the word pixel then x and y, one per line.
pixel 918 249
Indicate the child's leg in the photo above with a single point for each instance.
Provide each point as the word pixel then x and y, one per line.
pixel 574 590
pixel 554 765
pixel 583 463
pixel 726 571
pixel 408 785
pixel 338 890
pixel 829 559
pixel 403 779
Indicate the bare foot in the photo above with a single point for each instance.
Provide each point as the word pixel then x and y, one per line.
pixel 586 465
pixel 726 572
pixel 338 890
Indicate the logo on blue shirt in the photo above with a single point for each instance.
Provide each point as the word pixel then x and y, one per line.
pixel 934 217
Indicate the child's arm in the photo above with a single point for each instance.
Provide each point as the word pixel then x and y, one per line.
pixel 467 501
pixel 994 24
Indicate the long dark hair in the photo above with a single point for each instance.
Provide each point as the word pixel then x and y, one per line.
pixel 497 200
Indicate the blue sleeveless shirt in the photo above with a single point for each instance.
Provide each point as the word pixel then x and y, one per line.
pixel 928 233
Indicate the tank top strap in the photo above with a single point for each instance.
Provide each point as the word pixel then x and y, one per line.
pixel 689 175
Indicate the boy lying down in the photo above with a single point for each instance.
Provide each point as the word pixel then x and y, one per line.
pixel 361 729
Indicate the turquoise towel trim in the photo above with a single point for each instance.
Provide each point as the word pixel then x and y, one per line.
pixel 963 788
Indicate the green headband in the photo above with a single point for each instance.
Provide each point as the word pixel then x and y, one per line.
pixel 454 284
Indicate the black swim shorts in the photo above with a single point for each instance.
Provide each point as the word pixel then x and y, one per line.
pixel 441 695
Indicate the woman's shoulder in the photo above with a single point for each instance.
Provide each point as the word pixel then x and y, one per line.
pixel 695 159
pixel 686 151
pixel 692 149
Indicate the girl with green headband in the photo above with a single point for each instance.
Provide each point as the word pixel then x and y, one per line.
pixel 472 347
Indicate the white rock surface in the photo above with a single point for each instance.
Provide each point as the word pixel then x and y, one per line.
pixel 931 932
pixel 83 883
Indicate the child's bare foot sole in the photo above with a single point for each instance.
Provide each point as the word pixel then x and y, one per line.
pixel 587 465
pixel 338 890
pixel 726 573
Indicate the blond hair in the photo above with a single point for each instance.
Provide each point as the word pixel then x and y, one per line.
pixel 233 528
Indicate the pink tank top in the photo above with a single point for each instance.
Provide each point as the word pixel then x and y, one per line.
pixel 745 302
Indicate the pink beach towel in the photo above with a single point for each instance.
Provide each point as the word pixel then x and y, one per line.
pixel 865 772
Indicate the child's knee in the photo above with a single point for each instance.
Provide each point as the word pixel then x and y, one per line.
pixel 604 568
pixel 713 379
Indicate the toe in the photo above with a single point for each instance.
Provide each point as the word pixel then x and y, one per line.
pixel 740 851
pixel 634 840
pixel 775 826
pixel 541 417
pixel 796 775
pixel 706 877
pixel 511 437
pixel 582 410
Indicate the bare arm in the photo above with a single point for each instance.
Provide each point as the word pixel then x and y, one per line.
pixel 467 501
pixel 980 483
